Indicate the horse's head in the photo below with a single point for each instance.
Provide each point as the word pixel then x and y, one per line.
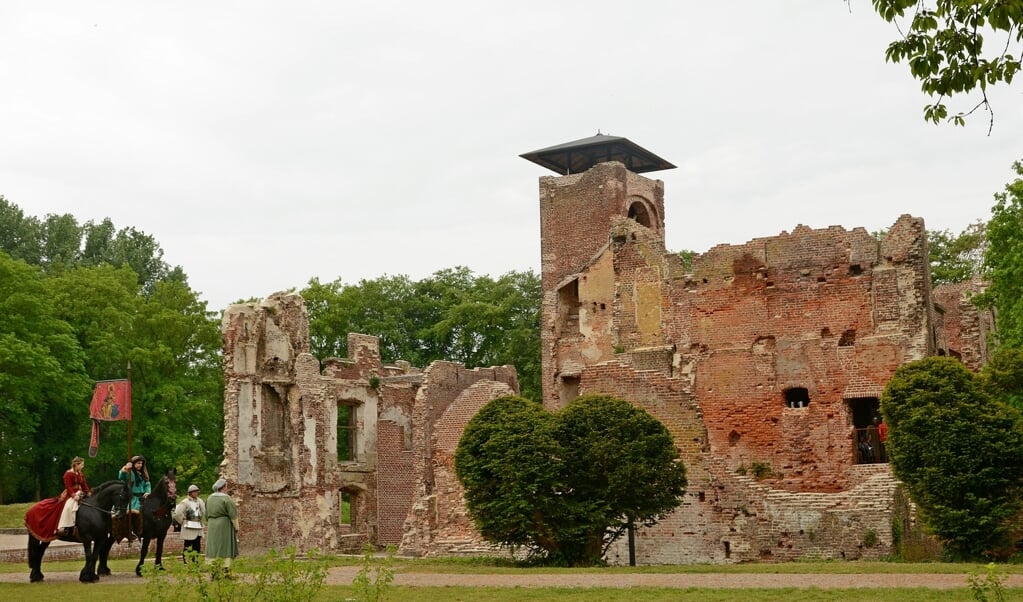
pixel 170 481
pixel 121 498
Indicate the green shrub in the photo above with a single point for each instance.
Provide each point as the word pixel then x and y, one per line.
pixel 371 582
pixel 275 577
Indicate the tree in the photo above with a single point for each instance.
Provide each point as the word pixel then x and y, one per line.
pixel 956 257
pixel 958 451
pixel 956 47
pixel 452 315
pixel 94 299
pixel 20 235
pixel 41 368
pixel 1003 262
pixel 1003 376
pixel 567 485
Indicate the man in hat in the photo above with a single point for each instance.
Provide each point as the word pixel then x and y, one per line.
pixel 191 515
pixel 136 475
pixel 222 512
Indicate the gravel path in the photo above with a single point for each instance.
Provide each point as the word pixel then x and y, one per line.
pixel 344 576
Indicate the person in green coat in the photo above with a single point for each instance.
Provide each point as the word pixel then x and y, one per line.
pixel 222 522
pixel 136 475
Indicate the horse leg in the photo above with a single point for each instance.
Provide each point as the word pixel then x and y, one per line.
pixel 104 553
pixel 88 574
pixel 159 552
pixel 36 549
pixel 142 556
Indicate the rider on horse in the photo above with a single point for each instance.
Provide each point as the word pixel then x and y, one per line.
pixel 136 475
pixel 75 488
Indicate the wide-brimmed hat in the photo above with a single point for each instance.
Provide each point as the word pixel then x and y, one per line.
pixel 192 488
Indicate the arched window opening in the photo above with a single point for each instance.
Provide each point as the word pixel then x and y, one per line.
pixel 639 212
pixel 797 397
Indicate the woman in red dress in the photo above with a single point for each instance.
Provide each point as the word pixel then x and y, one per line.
pixel 75 488
pixel 44 520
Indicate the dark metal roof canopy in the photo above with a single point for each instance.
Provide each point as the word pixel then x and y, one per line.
pixel 580 155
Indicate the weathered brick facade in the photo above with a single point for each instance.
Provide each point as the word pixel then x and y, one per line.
pixel 281 438
pixel 765 360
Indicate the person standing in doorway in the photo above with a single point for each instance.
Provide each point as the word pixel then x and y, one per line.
pixel 191 515
pixel 882 437
pixel 222 518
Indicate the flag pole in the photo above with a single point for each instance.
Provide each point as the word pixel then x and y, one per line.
pixel 130 420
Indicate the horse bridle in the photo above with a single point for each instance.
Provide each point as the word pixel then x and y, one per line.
pixel 114 510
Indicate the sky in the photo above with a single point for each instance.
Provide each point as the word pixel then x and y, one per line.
pixel 264 144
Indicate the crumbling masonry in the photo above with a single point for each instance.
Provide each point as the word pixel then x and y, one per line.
pixel 398 430
pixel 765 360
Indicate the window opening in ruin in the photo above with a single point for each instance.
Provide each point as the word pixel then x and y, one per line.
pixel 855 269
pixel 868 448
pixel 728 550
pixel 639 213
pixel 568 302
pixel 733 439
pixel 346 432
pixel 797 397
pixel 569 388
pixel 347 507
pixel 271 419
pixel 847 339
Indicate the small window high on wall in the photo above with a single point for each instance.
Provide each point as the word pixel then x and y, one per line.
pixel 568 307
pixel 797 397
pixel 569 388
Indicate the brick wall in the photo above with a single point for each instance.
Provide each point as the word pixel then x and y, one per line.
pixel 725 352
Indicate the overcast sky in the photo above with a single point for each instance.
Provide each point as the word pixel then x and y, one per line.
pixel 267 143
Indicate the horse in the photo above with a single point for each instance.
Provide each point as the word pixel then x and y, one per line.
pixel 157 510
pixel 92 521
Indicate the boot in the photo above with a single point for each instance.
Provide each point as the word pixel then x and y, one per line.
pixel 136 524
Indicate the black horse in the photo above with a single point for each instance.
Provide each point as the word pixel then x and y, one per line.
pixel 157 510
pixel 92 522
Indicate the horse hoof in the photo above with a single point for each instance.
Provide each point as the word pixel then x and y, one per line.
pixel 159 567
pixel 36 578
pixel 104 572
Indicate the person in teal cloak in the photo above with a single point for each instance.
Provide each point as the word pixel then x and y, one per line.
pixel 136 475
pixel 222 523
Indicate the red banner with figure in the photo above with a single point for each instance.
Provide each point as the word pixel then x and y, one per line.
pixel 111 400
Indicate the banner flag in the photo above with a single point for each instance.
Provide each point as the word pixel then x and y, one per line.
pixel 94 440
pixel 111 400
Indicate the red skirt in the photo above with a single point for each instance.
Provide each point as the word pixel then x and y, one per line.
pixel 42 519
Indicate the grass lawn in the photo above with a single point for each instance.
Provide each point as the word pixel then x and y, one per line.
pixel 104 593
pixel 11 515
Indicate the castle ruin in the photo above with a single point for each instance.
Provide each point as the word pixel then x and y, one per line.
pixel 765 360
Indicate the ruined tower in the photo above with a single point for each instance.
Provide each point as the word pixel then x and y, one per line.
pixel 577 212
pixel 765 360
